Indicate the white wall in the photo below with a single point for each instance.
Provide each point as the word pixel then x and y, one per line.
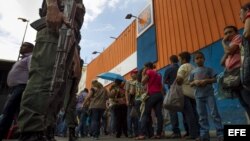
pixel 123 68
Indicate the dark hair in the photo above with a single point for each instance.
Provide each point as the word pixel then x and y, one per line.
pixel 28 44
pixel 86 90
pixel 233 27
pixel 174 59
pixel 139 75
pixel 149 65
pixel 118 81
pixel 81 62
pixel 199 53
pixel 185 55
pixel 246 6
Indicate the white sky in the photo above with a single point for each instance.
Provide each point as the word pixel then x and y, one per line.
pixel 104 18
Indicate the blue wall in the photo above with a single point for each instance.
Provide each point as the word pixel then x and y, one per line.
pixel 146 47
pixel 230 109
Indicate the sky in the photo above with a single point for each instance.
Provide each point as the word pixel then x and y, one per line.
pixel 103 19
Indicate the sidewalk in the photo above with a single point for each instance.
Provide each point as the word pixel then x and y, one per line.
pixel 110 138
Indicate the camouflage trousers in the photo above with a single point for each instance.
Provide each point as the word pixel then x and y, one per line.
pixel 38 108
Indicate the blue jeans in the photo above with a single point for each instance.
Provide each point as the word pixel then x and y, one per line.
pixel 244 98
pixel 112 120
pixel 11 107
pixel 82 127
pixel 191 116
pixel 132 123
pixel 61 127
pixel 96 115
pixel 153 102
pixel 175 122
pixel 202 104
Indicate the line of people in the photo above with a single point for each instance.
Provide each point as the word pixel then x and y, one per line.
pixel 143 94
pixel 130 105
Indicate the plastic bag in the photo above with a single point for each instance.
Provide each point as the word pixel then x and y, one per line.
pixel 174 99
pixel 225 93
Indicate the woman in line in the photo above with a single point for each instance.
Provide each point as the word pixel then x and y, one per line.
pixel 152 80
pixel 244 96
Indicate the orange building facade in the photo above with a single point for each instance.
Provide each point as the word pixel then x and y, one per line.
pixel 170 27
pixel 180 25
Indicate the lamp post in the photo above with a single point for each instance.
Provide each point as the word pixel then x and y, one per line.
pixel 129 16
pixel 27 22
pixel 95 52
pixel 140 20
pixel 113 37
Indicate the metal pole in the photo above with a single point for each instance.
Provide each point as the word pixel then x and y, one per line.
pixel 27 22
pixel 25 31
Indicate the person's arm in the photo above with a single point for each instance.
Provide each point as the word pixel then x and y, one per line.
pixel 127 92
pixel 211 80
pixel 229 49
pixel 145 77
pixel 54 16
pixel 180 75
pixel 51 2
pixel 191 79
pixel 29 62
pixel 166 76
pixel 223 59
pixel 90 94
pixel 112 92
pixel 179 80
pixel 246 32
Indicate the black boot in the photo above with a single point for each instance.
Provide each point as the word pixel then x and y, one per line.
pixel 50 133
pixel 72 136
pixel 32 136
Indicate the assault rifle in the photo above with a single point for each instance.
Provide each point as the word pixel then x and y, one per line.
pixel 65 48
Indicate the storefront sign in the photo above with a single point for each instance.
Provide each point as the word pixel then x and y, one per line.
pixel 145 19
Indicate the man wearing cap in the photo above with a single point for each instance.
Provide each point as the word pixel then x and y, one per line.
pixel 130 91
pixel 16 80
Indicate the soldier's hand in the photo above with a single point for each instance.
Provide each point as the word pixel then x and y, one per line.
pixel 54 17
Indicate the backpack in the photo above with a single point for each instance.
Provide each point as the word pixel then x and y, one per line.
pixel 245 63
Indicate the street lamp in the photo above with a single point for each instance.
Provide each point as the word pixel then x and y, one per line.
pixel 113 37
pixel 129 16
pixel 27 21
pixel 95 52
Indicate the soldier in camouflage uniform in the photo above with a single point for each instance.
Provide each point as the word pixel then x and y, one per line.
pixel 36 98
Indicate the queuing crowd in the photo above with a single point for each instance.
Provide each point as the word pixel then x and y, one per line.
pixel 134 108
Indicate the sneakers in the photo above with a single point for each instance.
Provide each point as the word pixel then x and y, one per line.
pixel 35 136
pixel 140 138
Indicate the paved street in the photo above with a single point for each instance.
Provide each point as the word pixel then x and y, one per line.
pixel 110 138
